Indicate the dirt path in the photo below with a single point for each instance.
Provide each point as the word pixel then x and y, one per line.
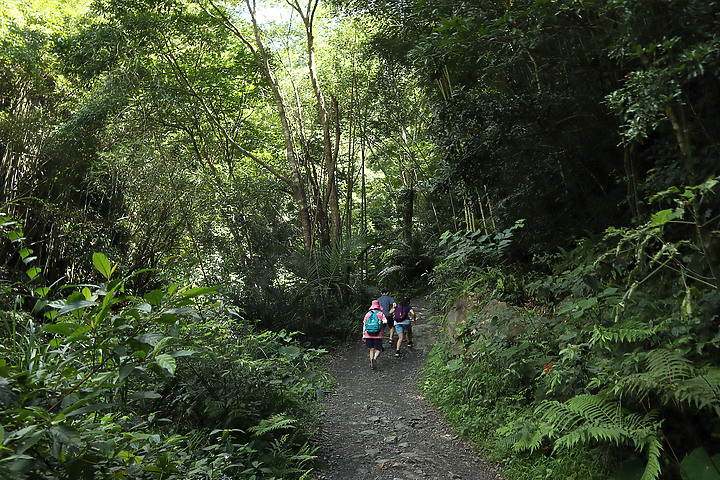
pixel 377 426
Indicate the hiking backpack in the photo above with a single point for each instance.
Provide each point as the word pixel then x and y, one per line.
pixel 373 324
pixel 401 313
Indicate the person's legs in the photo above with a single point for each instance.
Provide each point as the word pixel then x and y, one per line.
pixel 375 347
pixel 371 345
pixel 409 335
pixel 400 329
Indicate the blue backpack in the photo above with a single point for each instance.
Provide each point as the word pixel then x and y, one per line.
pixel 373 324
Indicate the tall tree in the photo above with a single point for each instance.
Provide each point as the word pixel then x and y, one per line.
pixel 297 180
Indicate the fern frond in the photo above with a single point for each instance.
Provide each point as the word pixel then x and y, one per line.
pixel 557 414
pixel 578 410
pixel 628 332
pixel 587 419
pixel 701 391
pixel 532 440
pixel 275 422
pixel 674 378
pixel 653 469
pixel 524 435
pixel 669 365
pixel 594 409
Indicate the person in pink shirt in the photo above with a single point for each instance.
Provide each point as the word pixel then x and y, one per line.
pixel 373 324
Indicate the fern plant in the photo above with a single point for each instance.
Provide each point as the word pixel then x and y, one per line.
pixel 588 419
pixel 675 380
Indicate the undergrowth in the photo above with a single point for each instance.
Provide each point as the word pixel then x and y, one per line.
pixel 608 368
pixel 97 382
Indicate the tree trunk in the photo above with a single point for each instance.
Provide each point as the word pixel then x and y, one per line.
pixel 407 213
pixel 330 199
pixel 261 57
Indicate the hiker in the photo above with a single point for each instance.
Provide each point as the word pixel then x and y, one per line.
pixel 387 303
pixel 404 315
pixel 373 331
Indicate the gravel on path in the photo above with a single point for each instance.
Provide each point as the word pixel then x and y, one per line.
pixel 376 425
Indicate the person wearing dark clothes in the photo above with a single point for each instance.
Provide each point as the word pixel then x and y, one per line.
pixel 387 303
pixel 404 315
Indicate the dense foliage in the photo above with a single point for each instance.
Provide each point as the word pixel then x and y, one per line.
pixel 609 366
pixel 589 120
pixel 171 384
pixel 555 156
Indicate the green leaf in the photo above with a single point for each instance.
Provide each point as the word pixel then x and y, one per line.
pixel 195 292
pixel 42 291
pixel 183 353
pixel 167 362
pixel 79 333
pixel 154 297
pixel 75 410
pixel 172 288
pixel 454 365
pixel 168 318
pixel 159 346
pixel 141 395
pixel 698 465
pixel 64 328
pixel 102 264
pixel 29 442
pixel 150 338
pixel 66 433
pixel 661 218
pixel 72 306
pixel 291 351
pixel 125 371
pixel 33 272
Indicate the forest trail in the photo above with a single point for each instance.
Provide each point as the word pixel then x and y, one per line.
pixel 376 425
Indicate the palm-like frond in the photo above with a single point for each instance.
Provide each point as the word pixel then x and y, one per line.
pixel 275 422
pixel 332 262
pixel 628 332
pixel 587 419
pixel 675 379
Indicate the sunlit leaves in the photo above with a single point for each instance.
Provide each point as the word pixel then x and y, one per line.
pixel 167 362
pixel 102 264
